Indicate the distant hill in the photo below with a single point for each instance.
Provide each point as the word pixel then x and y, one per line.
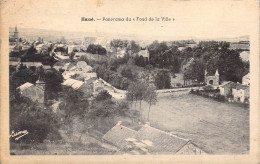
pixel 32 34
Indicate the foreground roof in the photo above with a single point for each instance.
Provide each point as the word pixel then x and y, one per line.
pixel 118 135
pixel 163 142
pixel 25 86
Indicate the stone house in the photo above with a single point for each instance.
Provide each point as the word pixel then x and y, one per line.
pixel 33 92
pixel 145 54
pixel 240 92
pixel 86 88
pixel 226 89
pixel 246 79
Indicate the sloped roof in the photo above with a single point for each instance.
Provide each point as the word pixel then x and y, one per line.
pixel 163 142
pixel 81 64
pixel 118 135
pixel 240 86
pixel 75 84
pixel 247 76
pixel 25 86
pixel 228 83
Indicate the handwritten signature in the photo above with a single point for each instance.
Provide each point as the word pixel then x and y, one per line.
pixel 19 134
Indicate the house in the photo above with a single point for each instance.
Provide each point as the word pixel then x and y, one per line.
pixel 39 48
pixel 242 45
pixel 154 140
pixel 212 80
pixel 181 48
pixel 246 79
pixel 144 53
pixel 33 92
pixel 98 86
pixel 83 66
pixel 87 89
pixel 244 55
pixel 226 88
pixel 121 53
pixel 241 92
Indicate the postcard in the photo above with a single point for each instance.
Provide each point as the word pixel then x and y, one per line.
pixel 129 81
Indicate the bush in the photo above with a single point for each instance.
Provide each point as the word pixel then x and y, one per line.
pixel 103 95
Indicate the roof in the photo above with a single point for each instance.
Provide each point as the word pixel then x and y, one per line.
pixel 25 86
pixel 247 76
pixel 75 84
pixel 228 83
pixel 244 46
pixel 82 64
pixel 162 141
pixel 240 86
pixel 118 135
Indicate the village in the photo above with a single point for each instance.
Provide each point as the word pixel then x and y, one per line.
pixel 97 82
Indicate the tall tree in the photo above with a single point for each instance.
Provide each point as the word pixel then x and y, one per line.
pixel 116 44
pixel 150 98
pixel 163 80
pixel 53 80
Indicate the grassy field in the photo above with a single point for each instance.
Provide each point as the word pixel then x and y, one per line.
pixel 216 127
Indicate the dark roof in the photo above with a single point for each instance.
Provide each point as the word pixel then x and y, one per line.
pixel 235 85
pixel 163 142
pixel 118 135
pixel 228 84
pixel 240 86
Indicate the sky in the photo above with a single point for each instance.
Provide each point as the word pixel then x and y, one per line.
pixel 195 19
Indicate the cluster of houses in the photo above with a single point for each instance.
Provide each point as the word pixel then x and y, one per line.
pixel 149 140
pixel 239 92
pixel 79 76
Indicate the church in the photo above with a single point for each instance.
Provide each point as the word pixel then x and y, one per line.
pixel 212 80
pixel 14 41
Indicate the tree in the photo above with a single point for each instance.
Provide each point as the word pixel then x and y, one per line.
pixel 72 56
pixel 139 61
pixel 163 80
pixel 103 95
pixel 149 68
pixel 96 49
pixel 150 98
pixel 38 120
pixel 53 80
pixel 21 76
pixel 116 44
pixel 136 92
pixel 102 109
pixel 133 47
pixel 73 103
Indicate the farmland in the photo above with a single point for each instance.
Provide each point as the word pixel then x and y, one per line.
pixel 216 127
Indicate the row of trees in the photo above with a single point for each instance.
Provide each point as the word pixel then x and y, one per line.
pixel 228 63
pixel 131 47
pixel 141 91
